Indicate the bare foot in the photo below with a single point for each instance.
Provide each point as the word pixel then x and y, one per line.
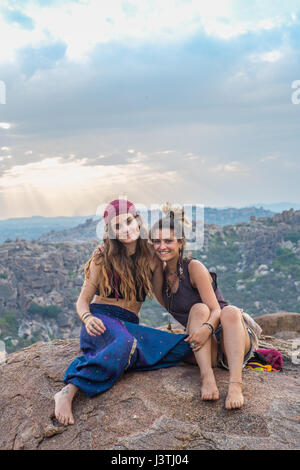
pixel 209 389
pixel 63 404
pixel 235 398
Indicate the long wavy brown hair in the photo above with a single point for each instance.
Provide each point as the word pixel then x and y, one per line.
pixel 114 259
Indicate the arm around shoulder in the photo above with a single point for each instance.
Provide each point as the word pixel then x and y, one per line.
pixel 157 280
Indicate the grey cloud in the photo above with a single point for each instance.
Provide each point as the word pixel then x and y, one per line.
pixel 182 97
pixel 144 86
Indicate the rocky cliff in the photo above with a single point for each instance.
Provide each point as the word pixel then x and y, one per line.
pixel 158 409
pixel 79 234
pixel 34 277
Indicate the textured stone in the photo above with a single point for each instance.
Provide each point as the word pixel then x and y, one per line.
pixel 280 322
pixel 159 409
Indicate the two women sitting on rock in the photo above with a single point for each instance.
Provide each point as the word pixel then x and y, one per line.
pixel 118 277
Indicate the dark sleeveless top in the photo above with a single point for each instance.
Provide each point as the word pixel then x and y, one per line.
pixel 114 294
pixel 187 295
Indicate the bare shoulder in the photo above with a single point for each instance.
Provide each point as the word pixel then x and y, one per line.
pixel 196 269
pixel 91 280
pixel 195 266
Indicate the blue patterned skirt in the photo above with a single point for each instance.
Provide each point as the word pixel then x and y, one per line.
pixel 124 346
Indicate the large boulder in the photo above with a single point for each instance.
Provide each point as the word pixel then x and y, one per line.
pixel 159 409
pixel 285 325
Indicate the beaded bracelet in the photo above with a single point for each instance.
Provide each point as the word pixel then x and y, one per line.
pixel 84 316
pixel 210 327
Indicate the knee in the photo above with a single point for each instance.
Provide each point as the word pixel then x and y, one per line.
pixel 230 314
pixel 200 311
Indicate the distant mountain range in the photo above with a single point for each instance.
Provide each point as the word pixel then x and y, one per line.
pixel 70 228
pixel 279 206
pixel 31 228
pixel 74 228
pixel 274 207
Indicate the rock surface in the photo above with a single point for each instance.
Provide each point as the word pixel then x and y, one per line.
pixel 159 409
pixel 285 325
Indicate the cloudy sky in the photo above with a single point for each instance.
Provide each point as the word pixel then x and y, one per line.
pixel 185 101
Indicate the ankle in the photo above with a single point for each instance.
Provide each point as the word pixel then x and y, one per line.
pixel 208 373
pixel 238 382
pixel 69 391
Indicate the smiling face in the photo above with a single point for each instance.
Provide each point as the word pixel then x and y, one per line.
pixel 126 228
pixel 165 245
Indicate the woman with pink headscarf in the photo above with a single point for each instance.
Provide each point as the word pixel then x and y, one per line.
pixel 118 278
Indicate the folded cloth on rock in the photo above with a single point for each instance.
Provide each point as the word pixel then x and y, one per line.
pixel 266 360
pixel 272 356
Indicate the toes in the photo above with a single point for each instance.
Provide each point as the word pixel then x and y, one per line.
pixel 60 418
pixel 204 396
pixel 70 420
pixel 228 404
pixel 233 405
pixel 65 420
pixel 210 397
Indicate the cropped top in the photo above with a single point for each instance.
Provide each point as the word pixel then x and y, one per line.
pixel 115 293
pixel 187 295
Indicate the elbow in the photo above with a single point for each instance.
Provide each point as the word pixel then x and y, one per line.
pixel 78 300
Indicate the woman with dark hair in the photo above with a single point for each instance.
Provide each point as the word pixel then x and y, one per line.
pixel 219 333
pixel 118 278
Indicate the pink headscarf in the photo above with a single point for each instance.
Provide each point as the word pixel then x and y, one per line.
pixel 117 207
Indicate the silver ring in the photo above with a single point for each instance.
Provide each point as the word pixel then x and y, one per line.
pixel 193 345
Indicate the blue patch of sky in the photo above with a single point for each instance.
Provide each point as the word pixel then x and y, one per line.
pixel 16 17
pixel 32 59
pixel 200 53
pixel 292 35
